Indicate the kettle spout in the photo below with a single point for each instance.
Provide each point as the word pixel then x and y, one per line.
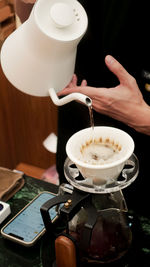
pixel 66 99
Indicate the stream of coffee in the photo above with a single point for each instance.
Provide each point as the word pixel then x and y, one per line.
pixel 99 151
pixel 91 116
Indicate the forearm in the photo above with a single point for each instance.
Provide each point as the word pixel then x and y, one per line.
pixel 141 120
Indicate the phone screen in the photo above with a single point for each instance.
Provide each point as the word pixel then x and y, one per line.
pixel 28 224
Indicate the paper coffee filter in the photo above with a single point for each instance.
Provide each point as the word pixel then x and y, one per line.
pixel 107 134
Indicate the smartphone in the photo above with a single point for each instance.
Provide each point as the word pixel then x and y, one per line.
pixel 27 226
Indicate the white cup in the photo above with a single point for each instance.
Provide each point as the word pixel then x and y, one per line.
pixel 113 138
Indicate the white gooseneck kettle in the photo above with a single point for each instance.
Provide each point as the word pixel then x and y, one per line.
pixel 39 57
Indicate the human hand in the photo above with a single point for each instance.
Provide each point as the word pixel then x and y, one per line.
pixel 123 102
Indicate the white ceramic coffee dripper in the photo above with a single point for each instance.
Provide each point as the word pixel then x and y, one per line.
pixel 102 173
pixel 39 57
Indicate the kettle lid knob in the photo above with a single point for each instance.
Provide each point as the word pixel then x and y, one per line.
pixel 62 14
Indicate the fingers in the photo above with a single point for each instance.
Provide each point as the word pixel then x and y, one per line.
pixel 84 83
pixel 74 80
pixel 72 86
pixel 92 92
pixel 123 76
pixel 71 89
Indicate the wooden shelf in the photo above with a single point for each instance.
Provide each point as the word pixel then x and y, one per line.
pixel 30 170
pixel 7 19
pixel 3 3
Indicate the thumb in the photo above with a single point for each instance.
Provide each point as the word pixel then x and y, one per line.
pixel 115 67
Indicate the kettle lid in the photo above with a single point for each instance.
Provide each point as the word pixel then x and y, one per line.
pixel 64 20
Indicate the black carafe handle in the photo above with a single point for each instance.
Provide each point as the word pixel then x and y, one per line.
pixel 49 226
pixel 66 214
